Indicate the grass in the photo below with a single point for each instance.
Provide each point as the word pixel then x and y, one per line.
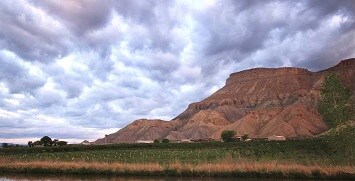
pixel 126 155
pixel 222 168
pixel 325 157
pixel 296 151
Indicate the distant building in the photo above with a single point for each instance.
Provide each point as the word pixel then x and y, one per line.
pixel 175 141
pixel 37 144
pixel 237 138
pixel 185 141
pixel 145 141
pixel 276 138
pixel 85 142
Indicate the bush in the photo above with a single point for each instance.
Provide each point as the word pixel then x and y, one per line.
pixel 228 135
pixel 245 137
pixel 156 141
pixel 165 140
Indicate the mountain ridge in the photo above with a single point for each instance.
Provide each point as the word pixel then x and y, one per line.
pixel 259 102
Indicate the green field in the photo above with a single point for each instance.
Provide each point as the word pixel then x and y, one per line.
pixel 328 157
pixel 307 151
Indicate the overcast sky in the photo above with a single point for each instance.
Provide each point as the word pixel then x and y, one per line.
pixel 76 70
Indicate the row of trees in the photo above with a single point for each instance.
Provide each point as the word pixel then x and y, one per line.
pixel 47 141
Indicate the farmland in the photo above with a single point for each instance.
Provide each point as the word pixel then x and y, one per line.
pixel 307 158
pixel 301 151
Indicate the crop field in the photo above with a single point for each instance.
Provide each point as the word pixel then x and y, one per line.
pixel 127 156
pixel 309 158
pixel 295 151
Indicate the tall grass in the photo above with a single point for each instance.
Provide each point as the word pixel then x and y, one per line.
pixel 313 158
pixel 222 168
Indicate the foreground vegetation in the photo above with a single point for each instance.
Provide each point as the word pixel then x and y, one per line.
pixel 304 152
pixel 323 157
pixel 308 151
pixel 226 168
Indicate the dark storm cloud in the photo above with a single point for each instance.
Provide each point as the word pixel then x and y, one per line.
pixel 79 15
pixel 79 67
pixel 240 30
pixel 252 26
pixel 327 7
pixel 158 19
pixel 29 34
pixel 140 11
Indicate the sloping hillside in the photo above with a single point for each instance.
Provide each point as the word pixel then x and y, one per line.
pixel 259 102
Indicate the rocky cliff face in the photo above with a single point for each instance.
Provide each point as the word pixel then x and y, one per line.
pixel 259 102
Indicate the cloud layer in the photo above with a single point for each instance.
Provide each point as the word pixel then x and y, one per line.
pixel 79 69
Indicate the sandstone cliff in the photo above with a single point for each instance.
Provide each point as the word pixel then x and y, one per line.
pixel 259 102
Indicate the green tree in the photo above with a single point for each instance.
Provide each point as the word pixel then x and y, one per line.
pixel 165 140
pixel 30 144
pixel 156 141
pixel 228 135
pixel 46 140
pixel 245 136
pixel 335 106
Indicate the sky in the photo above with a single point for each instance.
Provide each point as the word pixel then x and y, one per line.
pixel 80 69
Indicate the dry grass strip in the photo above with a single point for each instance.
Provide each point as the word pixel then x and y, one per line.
pixel 224 168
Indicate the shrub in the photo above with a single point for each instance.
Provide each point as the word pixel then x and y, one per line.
pixel 245 136
pixel 156 141
pixel 228 135
pixel 165 140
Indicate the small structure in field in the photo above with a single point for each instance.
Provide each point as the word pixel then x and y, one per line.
pixel 85 142
pixel 276 138
pixel 185 141
pixel 237 138
pixel 175 141
pixel 145 141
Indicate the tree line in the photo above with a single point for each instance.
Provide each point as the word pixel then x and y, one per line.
pixel 47 141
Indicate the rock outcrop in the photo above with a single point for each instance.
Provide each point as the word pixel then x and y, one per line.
pixel 259 102
pixel 142 129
